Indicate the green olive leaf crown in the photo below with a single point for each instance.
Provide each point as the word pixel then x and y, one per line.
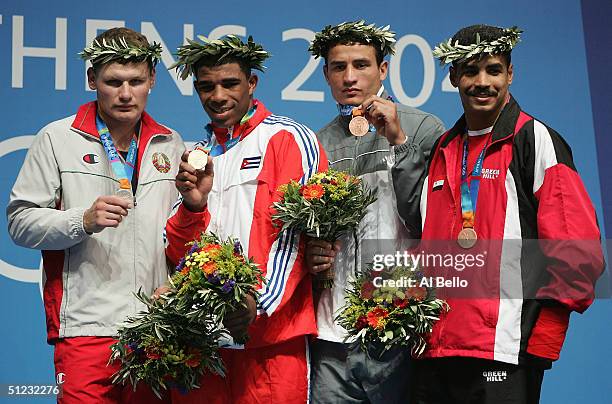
pixel 108 51
pixel 230 46
pixel 354 31
pixel 448 52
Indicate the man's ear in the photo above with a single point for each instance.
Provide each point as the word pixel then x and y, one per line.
pixel 152 81
pixel 253 80
pixel 453 77
pixel 325 73
pixel 91 79
pixel 510 73
pixel 383 69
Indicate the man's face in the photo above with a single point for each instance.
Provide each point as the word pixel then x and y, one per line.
pixel 352 73
pixel 122 91
pixel 483 87
pixel 226 92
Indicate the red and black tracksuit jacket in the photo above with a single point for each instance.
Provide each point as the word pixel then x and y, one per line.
pixel 535 206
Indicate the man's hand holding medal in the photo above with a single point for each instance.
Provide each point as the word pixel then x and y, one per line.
pixel 194 179
pixel 106 211
pixel 380 112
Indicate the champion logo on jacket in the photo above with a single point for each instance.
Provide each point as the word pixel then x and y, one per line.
pixel 91 158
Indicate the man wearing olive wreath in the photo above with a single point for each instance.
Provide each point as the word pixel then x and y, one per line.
pixel 501 174
pixel 252 153
pixel 355 68
pixel 92 194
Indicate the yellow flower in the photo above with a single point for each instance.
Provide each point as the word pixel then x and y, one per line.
pixel 282 188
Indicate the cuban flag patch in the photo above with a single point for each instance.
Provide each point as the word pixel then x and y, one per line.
pixel 250 162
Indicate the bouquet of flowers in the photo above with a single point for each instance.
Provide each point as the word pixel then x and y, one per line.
pixel 176 338
pixel 390 308
pixel 328 205
pixel 213 278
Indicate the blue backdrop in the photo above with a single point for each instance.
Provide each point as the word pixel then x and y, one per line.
pixel 42 79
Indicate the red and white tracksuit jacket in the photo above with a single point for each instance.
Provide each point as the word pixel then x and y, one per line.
pixel 272 151
pixel 90 279
pixel 533 193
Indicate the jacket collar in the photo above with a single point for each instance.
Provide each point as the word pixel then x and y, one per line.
pixel 504 127
pixel 85 122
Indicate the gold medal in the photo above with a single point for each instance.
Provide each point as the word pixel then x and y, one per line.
pixel 359 125
pixel 467 238
pixel 197 158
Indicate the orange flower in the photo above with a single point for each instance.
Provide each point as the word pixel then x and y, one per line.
pixel 375 316
pixel 313 191
pixel 211 248
pixel 209 268
pixel 185 270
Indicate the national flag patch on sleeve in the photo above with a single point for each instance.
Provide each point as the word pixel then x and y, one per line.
pixel 437 185
pixel 250 162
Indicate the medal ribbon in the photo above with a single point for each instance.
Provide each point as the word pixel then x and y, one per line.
pixel 233 134
pixel 469 192
pixel 124 171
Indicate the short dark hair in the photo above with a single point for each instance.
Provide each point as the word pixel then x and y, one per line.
pixel 489 33
pixel 379 53
pixel 131 37
pixel 215 61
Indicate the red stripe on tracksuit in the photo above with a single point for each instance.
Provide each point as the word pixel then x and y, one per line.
pixel 53 291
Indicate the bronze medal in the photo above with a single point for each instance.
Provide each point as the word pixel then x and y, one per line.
pixel 359 126
pixel 467 238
